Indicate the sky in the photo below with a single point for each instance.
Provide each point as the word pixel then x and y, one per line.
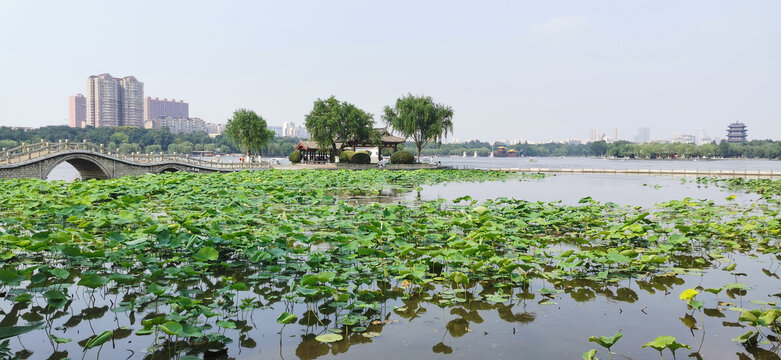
pixel 532 70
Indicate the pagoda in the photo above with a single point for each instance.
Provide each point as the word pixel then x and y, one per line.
pixel 736 132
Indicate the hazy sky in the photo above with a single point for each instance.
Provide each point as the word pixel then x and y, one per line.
pixel 533 70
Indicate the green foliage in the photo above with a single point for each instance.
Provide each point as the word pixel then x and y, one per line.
pixel 360 158
pixel 402 157
pixel 332 121
pixel 147 246
pixel 11 331
pixel 286 318
pixel 98 340
pixel 206 253
pixel 345 155
pixel 666 342
pixel 248 131
pixel 328 338
pixel 295 157
pixel 419 118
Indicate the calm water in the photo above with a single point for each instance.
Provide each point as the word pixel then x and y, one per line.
pixel 598 163
pixel 634 190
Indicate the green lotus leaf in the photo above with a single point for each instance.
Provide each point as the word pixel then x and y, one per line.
pixel 606 341
pixel 286 318
pixel 329 338
pixel 98 340
pixel 206 254
pixel 11 331
pixel 171 328
pixel 226 324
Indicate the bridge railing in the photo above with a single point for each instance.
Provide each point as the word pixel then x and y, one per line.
pixel 27 152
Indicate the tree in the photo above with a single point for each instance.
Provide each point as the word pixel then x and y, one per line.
pixel 332 121
pixel 248 131
pixel 598 148
pixel 419 118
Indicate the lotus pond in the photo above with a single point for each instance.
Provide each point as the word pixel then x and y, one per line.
pixel 310 264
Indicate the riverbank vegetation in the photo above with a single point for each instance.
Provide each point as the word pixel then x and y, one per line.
pixel 766 149
pixel 150 140
pixel 184 264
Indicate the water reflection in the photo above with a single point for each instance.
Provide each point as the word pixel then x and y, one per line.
pixel 455 315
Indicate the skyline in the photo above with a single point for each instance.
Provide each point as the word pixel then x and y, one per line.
pixel 534 71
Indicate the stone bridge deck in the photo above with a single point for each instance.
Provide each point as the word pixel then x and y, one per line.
pixel 98 162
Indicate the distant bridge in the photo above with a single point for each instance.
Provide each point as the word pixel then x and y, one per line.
pixel 93 161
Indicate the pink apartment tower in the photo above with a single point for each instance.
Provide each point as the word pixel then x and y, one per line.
pixel 77 111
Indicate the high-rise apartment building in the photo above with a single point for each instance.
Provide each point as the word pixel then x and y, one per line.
pixel 289 129
pixel 643 135
pixel 132 99
pixel 77 111
pixel 160 108
pixel 114 101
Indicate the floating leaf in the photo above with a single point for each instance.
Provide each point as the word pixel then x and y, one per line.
pixel 329 338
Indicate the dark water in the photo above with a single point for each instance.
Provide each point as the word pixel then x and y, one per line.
pixel 522 327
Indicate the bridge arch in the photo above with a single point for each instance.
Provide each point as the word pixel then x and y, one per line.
pixel 169 169
pixel 87 167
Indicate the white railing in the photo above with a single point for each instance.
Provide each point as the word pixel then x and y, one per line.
pixel 29 152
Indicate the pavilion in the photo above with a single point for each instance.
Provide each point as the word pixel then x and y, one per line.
pixel 310 153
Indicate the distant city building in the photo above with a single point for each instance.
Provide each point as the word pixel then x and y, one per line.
pixel 289 129
pixel 737 132
pixel 77 111
pixel 180 125
pixel 215 129
pixel 684 138
pixel 114 101
pixel 301 132
pixel 615 137
pixel 592 135
pixel 643 135
pixel 156 108
pixel 703 138
pixel 277 130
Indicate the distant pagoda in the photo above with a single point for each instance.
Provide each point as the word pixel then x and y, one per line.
pixel 737 133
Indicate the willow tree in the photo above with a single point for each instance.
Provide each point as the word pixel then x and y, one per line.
pixel 248 131
pixel 419 118
pixel 332 121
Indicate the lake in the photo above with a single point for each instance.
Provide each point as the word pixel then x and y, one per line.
pixel 550 316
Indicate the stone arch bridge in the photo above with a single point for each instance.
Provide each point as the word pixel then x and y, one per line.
pixel 98 162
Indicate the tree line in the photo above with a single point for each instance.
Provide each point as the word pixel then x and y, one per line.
pixel 131 139
pixel 767 149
